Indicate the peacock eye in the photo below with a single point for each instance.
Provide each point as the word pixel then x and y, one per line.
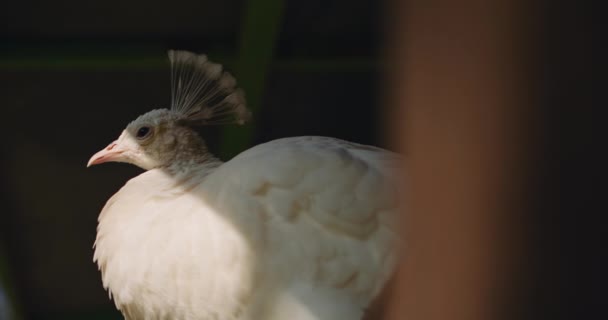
pixel 143 132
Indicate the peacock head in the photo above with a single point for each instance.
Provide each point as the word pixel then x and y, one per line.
pixel 201 94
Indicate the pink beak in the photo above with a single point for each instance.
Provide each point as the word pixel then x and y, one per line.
pixel 111 153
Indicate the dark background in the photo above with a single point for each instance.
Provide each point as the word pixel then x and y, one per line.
pixel 74 73
pixel 568 207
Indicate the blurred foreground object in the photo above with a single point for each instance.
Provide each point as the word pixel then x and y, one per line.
pixel 460 90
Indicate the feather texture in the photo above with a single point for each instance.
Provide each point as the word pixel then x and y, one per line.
pixel 297 228
pixel 203 93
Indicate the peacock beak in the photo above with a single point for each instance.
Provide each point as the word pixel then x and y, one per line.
pixel 113 152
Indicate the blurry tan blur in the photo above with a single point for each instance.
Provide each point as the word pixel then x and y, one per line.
pixel 461 103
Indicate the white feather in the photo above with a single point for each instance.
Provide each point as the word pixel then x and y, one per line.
pixel 297 228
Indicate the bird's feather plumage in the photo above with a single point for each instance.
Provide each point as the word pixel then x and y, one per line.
pixel 296 228
pixel 203 93
pixel 298 220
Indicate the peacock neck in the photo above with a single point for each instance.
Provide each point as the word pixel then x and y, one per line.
pixel 200 162
pixel 191 153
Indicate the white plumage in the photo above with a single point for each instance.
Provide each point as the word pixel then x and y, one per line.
pixel 296 228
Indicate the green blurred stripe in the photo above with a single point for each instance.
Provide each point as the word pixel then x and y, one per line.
pixel 78 63
pixel 259 32
pixel 90 56
pixel 151 63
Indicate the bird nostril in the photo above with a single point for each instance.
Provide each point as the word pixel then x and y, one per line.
pixel 111 146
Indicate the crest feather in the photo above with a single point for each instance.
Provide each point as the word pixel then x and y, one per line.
pixel 203 93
